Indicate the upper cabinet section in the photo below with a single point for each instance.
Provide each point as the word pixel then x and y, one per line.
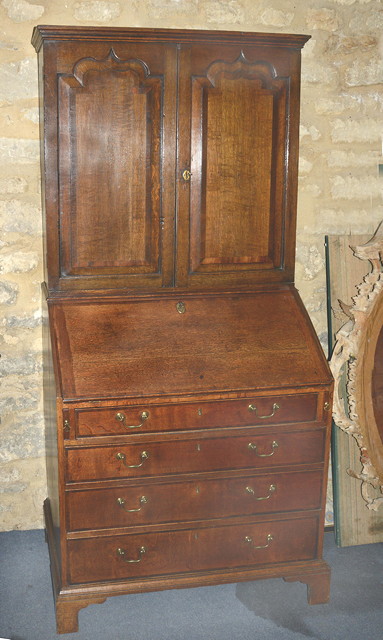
pixel 170 157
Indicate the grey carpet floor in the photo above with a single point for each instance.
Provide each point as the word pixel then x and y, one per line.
pixel 261 610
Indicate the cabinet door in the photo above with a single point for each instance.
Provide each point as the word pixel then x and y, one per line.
pixel 238 129
pixel 116 151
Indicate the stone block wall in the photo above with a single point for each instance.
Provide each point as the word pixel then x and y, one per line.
pixel 339 187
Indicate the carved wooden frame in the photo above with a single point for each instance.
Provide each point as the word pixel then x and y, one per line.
pixel 353 359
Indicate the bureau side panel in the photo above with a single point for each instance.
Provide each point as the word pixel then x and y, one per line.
pixel 50 418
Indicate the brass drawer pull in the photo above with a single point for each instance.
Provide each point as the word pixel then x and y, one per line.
pixel 253 447
pixel 269 539
pixel 121 553
pixel 121 502
pixel 121 417
pixel 272 488
pixel 276 406
pixel 144 456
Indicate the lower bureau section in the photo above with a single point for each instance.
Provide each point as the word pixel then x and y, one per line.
pixel 113 558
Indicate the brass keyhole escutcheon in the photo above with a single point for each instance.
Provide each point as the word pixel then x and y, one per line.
pixel 186 175
pixel 180 306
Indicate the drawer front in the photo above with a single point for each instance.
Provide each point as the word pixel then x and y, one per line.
pixel 189 456
pixel 147 418
pixel 198 500
pixel 192 550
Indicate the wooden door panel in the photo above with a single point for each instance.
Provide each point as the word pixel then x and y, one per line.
pixel 235 210
pixel 233 178
pixel 111 164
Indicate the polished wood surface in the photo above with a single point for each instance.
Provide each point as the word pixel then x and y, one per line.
pixel 236 207
pixel 254 410
pixel 131 505
pixel 104 113
pixel 194 455
pixel 192 400
pixel 240 201
pixel 189 550
pixel 69 601
pixel 225 113
pixel 110 105
pixel 219 344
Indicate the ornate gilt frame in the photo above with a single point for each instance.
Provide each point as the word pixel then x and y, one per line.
pixel 353 361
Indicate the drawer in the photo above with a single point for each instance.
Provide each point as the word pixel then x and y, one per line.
pixel 146 418
pixel 189 456
pixel 198 500
pixel 192 550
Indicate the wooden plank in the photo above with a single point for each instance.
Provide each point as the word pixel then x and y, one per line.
pixel 354 523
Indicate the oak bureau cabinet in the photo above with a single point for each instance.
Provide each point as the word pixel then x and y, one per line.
pixel 187 399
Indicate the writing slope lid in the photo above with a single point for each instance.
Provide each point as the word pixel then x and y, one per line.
pixel 149 348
